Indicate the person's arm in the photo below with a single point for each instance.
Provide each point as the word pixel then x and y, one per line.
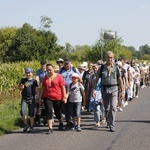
pixel 126 80
pixel 21 86
pixel 65 96
pixel 94 86
pixel 121 86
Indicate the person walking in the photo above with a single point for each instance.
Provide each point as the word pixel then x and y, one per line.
pixel 29 88
pixel 41 73
pixel 53 93
pixel 96 102
pixel 76 96
pixel 110 78
pixel 66 73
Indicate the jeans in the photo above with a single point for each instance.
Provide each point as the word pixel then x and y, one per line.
pixel 24 105
pixel 75 109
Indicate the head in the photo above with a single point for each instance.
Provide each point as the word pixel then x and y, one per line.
pixel 144 63
pixel 95 67
pixel 60 62
pixel 29 72
pixel 56 68
pixel 90 66
pixel 119 63
pixel 123 60
pixel 81 68
pixel 43 64
pixel 99 62
pixel 109 58
pixel 50 69
pixel 75 77
pixel 67 63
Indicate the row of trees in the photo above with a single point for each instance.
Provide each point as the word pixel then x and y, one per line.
pixel 27 44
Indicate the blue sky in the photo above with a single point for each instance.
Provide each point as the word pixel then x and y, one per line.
pixel 79 21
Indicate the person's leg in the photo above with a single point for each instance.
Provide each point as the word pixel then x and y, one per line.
pixel 67 113
pixel 23 115
pixel 97 114
pixel 57 108
pixel 49 112
pixel 31 112
pixel 78 114
pixel 72 107
pixel 112 112
pixel 106 102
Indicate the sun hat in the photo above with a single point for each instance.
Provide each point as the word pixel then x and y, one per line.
pixel 60 60
pixel 81 66
pixel 75 75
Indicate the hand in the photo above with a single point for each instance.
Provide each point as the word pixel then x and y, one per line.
pixel 64 100
pixel 93 93
pixel 21 86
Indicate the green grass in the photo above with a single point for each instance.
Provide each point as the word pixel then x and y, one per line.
pixel 9 116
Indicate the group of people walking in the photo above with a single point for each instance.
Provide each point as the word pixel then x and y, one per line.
pixel 101 87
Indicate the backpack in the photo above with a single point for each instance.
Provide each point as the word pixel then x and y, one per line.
pixel 83 101
pixel 73 68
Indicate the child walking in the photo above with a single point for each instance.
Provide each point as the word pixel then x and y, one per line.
pixel 29 88
pixel 96 102
pixel 76 95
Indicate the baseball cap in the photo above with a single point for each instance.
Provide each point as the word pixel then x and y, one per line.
pixel 27 70
pixel 67 60
pixel 75 75
pixel 43 62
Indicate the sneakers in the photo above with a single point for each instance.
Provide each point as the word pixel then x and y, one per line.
pixel 120 109
pixel 50 131
pixel 26 128
pixel 112 129
pixel 78 128
pixel 136 96
pixel 60 127
pixel 31 130
pixel 74 127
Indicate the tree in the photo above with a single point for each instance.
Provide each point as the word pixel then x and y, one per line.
pixel 45 23
pixel 6 36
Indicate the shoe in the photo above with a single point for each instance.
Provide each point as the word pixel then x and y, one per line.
pixel 74 127
pixel 60 127
pixel 120 109
pixel 112 129
pixel 137 96
pixel 78 128
pixel 31 130
pixel 107 125
pixel 97 124
pixel 50 131
pixel 126 103
pixel 26 128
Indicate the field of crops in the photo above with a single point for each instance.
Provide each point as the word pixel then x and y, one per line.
pixel 10 75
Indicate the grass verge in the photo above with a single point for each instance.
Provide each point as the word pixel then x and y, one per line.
pixel 9 116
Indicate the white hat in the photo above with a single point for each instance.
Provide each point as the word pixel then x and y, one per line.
pixel 81 67
pixel 119 63
pixel 85 64
pixel 60 60
pixel 75 75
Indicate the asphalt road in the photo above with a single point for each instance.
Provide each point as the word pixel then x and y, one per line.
pixel 132 132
